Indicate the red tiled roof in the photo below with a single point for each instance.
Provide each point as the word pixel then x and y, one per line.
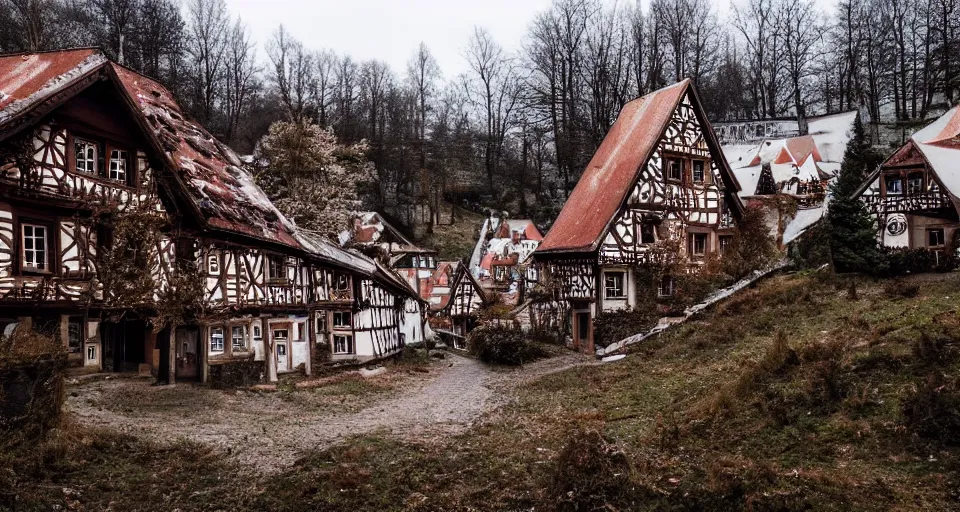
pixel 23 75
pixel 797 149
pixel 212 173
pixel 613 170
pixel 949 136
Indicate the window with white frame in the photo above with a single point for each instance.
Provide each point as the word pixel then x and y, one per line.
pixel 213 264
pixel 216 339
pixel 699 174
pixel 276 269
pixel 342 344
pixel 674 169
pixel 666 286
pixel 726 241
pixel 85 154
pixel 698 244
pixel 257 333
pixel 341 319
pixel 118 165
pixel 238 337
pixel 35 247
pixel 613 285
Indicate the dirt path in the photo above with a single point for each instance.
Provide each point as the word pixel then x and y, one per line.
pixel 271 430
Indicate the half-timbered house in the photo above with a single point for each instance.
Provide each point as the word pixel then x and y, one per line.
pixel 87 145
pixel 657 180
pixel 915 194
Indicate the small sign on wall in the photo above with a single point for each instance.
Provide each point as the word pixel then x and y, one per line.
pixel 895 232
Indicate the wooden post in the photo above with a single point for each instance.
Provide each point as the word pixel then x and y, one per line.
pixel 311 343
pixel 65 331
pixel 268 351
pixel 172 355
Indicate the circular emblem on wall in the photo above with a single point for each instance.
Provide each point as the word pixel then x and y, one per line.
pixel 896 224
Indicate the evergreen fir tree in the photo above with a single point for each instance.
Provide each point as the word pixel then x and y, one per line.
pixel 852 231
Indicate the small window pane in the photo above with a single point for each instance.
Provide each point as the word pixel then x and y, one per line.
pixel 85 153
pixel 216 339
pixel 118 165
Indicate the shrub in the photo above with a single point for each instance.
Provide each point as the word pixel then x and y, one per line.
pixel 901 288
pixel 236 374
pixel 932 409
pixel 902 261
pixel 31 386
pixel 498 344
pixel 613 326
pixel 544 335
pixel 935 346
pixel 591 474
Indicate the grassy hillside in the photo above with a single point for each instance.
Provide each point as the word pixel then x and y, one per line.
pixel 805 393
pixel 455 242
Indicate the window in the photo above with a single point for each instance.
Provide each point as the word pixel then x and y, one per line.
pixel 915 183
pixel 91 352
pixel 238 337
pixel 257 333
pixel 85 153
pixel 613 285
pixel 341 282
pixel 935 238
pixel 342 344
pixel 35 247
pixel 216 339
pixel 118 165
pixel 698 244
pixel 74 338
pixel 725 243
pixel 666 287
pixel 213 264
pixel 280 334
pixel 341 319
pixel 275 267
pixel 674 169
pixel 894 185
pixel 647 233
pixel 699 176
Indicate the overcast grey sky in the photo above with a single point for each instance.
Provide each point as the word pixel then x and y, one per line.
pixel 390 30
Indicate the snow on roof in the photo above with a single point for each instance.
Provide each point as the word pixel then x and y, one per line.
pixel 832 134
pixel 320 247
pixel 215 179
pixel 213 176
pixel 28 79
pixel 938 142
pixel 803 221
pixel 821 150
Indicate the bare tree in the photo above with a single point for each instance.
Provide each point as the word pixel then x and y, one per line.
pixel 241 76
pixel 207 37
pixel 292 72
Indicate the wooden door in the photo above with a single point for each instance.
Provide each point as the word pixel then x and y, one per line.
pixel 281 346
pixel 582 327
pixel 188 353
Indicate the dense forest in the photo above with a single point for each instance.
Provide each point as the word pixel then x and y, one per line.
pixel 518 128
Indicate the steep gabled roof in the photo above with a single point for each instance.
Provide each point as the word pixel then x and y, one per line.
pixel 461 274
pixel 220 186
pixel 609 177
pixel 28 79
pixel 222 192
pixel 937 145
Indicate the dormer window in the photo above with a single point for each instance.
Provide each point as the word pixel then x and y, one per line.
pixel 118 165
pixel 86 156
